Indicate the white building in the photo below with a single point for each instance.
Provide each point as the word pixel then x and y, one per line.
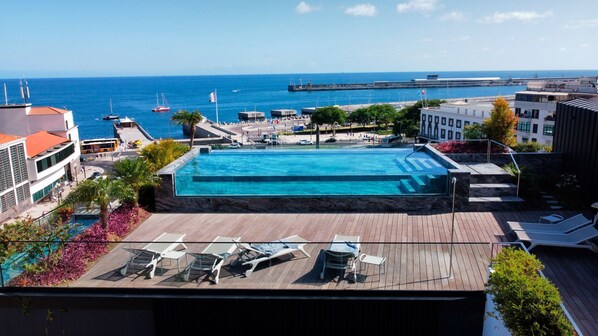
pixel 15 194
pixel 52 144
pixel 448 121
pixel 536 111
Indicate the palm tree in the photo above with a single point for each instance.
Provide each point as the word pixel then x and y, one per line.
pixel 184 117
pixel 101 192
pixel 135 173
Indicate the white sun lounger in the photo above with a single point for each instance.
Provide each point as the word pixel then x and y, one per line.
pixel 574 239
pixel 253 254
pixel 152 253
pixel 564 226
pixel 211 258
pixel 342 254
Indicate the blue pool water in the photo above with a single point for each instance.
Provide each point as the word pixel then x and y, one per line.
pixel 13 266
pixel 354 172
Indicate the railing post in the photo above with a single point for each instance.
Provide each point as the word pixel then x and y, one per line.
pixel 1 276
pixel 518 180
pixel 488 151
pixel 450 275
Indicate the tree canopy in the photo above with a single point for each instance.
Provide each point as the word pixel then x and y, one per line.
pixel 161 153
pixel 135 173
pixel 502 124
pixel 184 117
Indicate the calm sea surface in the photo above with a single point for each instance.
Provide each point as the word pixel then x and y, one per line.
pixel 135 97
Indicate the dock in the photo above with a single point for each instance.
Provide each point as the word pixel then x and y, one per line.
pixel 431 82
pixel 127 129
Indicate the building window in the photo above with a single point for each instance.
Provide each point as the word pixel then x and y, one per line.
pixel 436 119
pixel 458 135
pixel 443 133
pixel 548 130
pixel 523 126
pixel 450 135
pixel 535 114
pixel 451 121
pixel 443 121
pixel 465 123
pixel 517 111
pixel 423 128
pixel 5 172
pixel 458 123
pixel 524 139
pixel 435 132
pixel 535 128
pixel 534 140
pixel 7 201
pixel 66 123
pixel 54 159
pixel 19 166
pixel 423 118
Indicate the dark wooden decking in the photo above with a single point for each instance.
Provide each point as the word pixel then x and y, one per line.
pixel 416 245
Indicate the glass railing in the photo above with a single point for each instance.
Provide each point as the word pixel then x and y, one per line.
pixel 289 263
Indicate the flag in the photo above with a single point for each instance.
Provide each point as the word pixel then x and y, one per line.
pixel 213 97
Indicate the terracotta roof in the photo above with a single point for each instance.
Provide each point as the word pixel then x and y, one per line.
pixel 42 141
pixel 46 110
pixel 4 138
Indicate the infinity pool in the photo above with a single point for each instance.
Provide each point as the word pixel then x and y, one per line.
pixel 351 172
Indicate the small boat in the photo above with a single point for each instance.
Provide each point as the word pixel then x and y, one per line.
pixel 163 107
pixel 236 90
pixel 110 116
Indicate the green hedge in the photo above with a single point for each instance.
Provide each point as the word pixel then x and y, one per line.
pixel 528 303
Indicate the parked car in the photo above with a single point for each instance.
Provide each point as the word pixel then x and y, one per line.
pixel 274 142
pixel 304 142
pixel 330 140
pixel 95 175
pixel 235 145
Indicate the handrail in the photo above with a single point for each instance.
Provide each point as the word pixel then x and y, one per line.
pixel 510 151
pixel 522 246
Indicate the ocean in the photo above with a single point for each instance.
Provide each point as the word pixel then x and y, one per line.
pixel 134 97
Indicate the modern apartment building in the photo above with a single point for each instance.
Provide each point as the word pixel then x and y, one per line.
pixel 448 121
pixel 15 194
pixel 48 141
pixel 536 106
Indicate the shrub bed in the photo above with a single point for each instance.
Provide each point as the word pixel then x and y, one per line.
pixel 70 261
pixel 454 146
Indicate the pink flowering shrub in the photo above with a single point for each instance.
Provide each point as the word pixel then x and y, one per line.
pixel 466 147
pixel 70 262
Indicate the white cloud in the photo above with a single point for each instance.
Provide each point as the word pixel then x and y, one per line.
pixel 479 50
pixel 304 8
pixel 417 6
pixel 426 40
pixel 462 38
pixel 542 38
pixel 498 17
pixel 584 45
pixel 453 16
pixel 562 49
pixel 582 24
pixel 361 10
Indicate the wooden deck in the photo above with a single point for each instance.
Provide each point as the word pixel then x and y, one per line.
pixel 416 245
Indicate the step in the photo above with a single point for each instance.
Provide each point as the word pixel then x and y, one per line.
pixel 492 189
pixel 417 179
pixel 414 164
pixel 494 203
pixel 492 178
pixel 407 186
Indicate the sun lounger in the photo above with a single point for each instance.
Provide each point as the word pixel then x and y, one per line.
pixel 574 239
pixel 148 257
pixel 342 254
pixel 564 226
pixel 253 254
pixel 211 258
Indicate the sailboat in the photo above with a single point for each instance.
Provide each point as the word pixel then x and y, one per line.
pixel 163 107
pixel 110 116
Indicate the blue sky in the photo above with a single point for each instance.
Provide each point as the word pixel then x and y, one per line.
pixel 62 38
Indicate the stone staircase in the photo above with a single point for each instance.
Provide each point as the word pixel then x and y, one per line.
pixel 491 188
pixel 420 180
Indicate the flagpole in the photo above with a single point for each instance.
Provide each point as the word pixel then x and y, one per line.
pixel 216 99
